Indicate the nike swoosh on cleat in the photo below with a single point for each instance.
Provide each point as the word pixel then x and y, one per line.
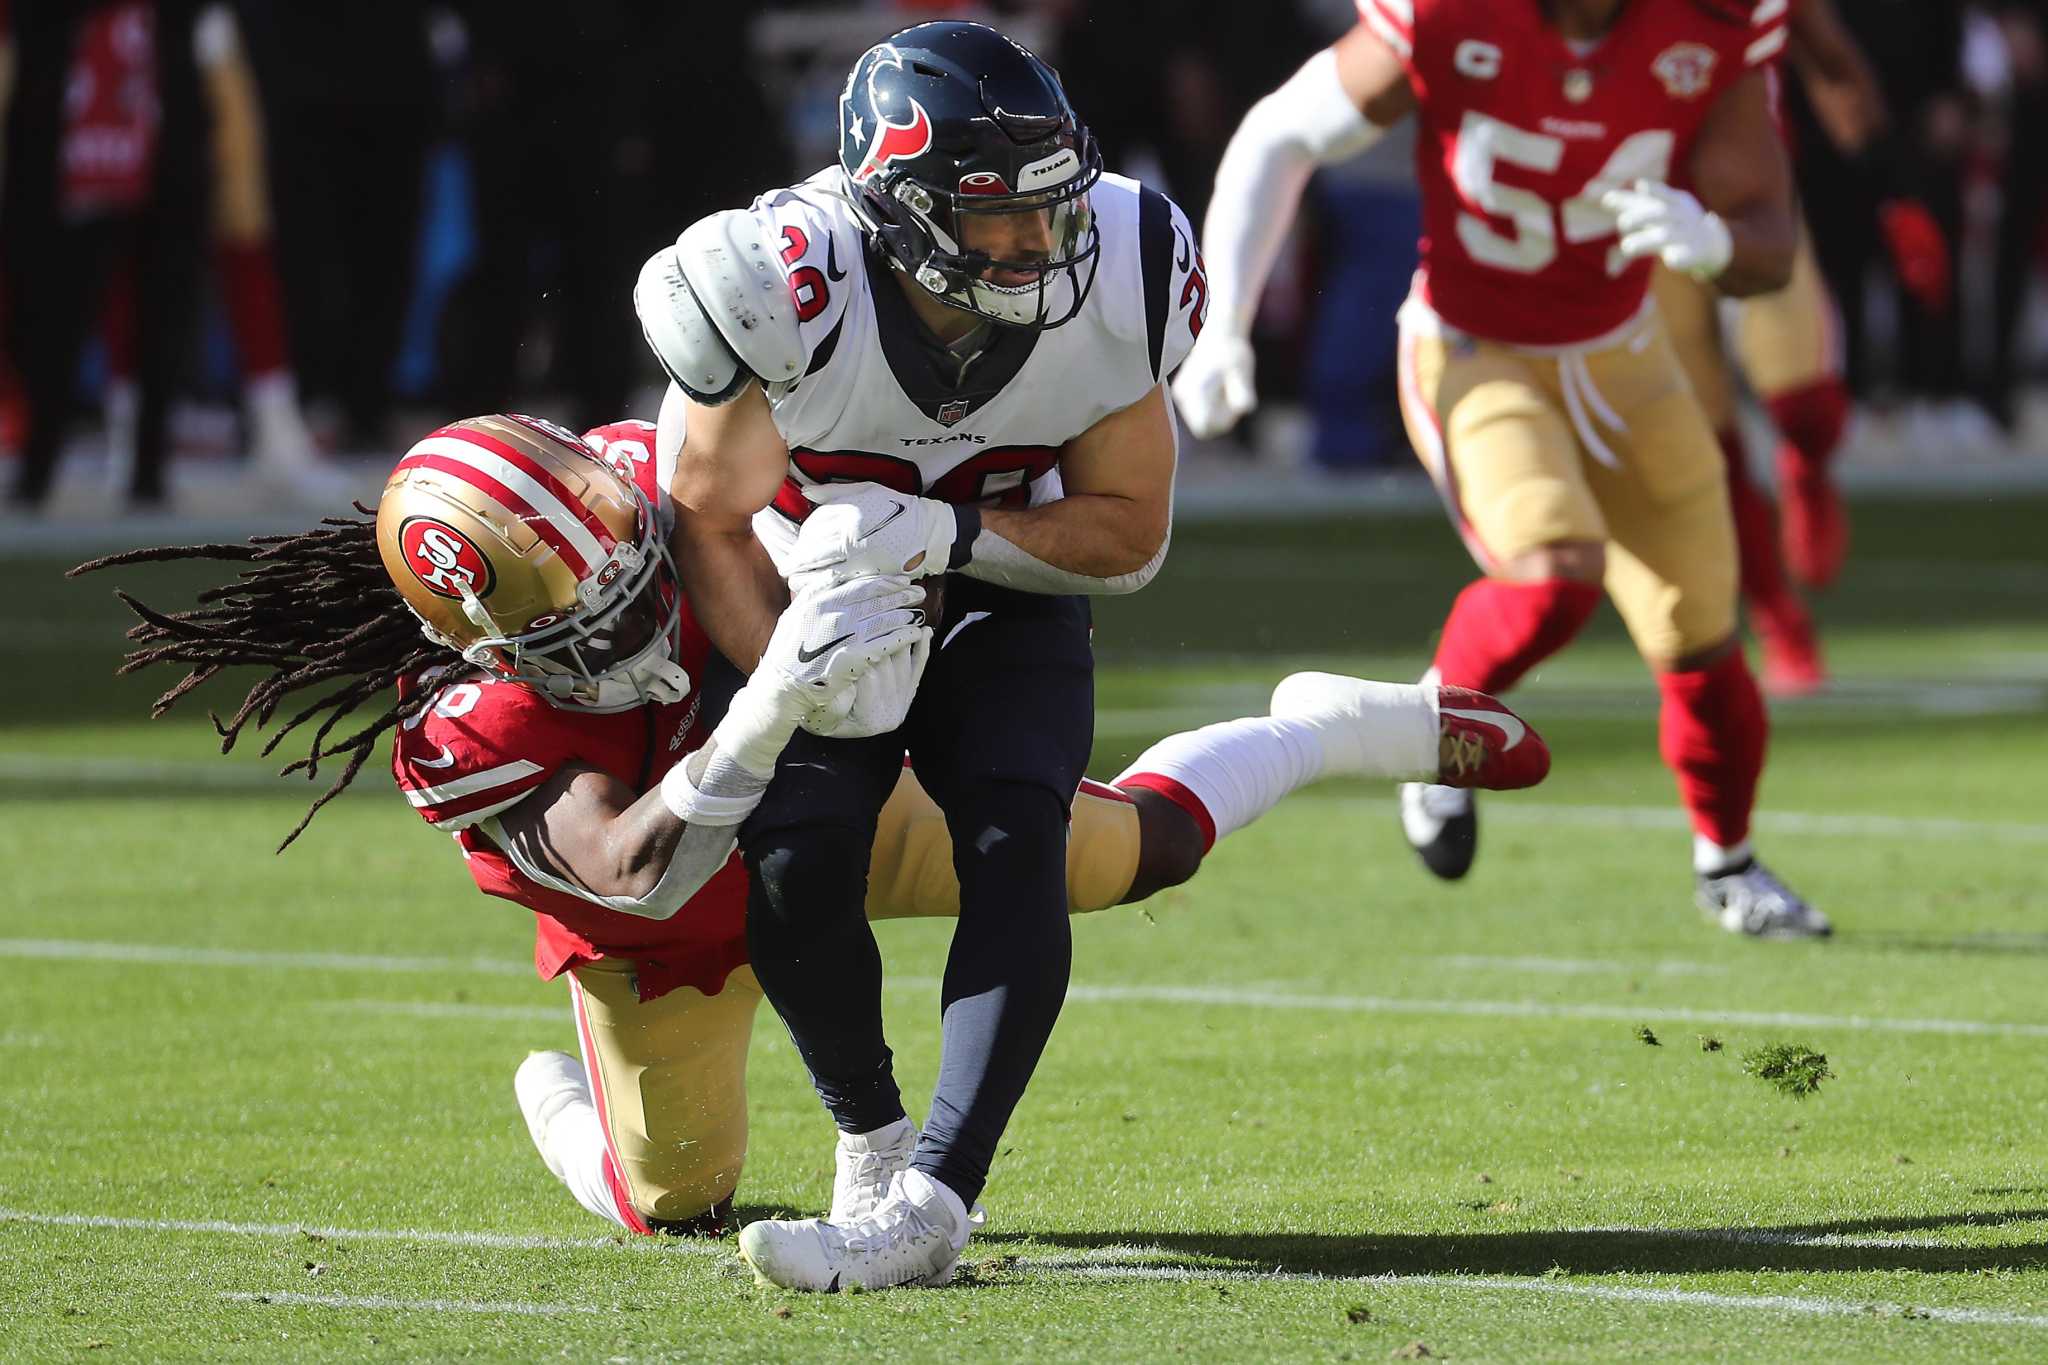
pixel 804 656
pixel 1511 726
pixel 446 760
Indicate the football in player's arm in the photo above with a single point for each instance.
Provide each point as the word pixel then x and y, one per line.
pixel 1563 148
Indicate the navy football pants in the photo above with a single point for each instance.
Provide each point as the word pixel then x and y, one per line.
pixel 999 735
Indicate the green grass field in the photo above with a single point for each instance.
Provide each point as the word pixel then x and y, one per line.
pixel 1312 1106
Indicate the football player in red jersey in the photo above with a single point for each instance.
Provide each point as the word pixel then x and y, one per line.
pixel 564 720
pixel 1565 146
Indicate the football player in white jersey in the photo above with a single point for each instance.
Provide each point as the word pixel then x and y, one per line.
pixel 952 346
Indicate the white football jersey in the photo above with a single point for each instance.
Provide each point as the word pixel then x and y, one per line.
pixel 874 403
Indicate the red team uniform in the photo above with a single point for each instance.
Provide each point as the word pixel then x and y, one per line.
pixel 1542 393
pixel 485 745
pixel 1520 136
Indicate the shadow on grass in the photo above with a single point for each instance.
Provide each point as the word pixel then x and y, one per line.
pixel 1985 945
pixel 1588 1251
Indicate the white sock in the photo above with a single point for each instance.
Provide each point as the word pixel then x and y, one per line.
pixel 1710 859
pixel 576 1145
pixel 1237 769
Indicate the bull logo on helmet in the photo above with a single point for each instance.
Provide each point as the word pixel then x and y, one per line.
pixel 892 141
pixel 443 559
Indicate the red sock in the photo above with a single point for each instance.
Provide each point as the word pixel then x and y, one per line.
pixel 1712 733
pixel 1778 610
pixel 254 299
pixel 1812 421
pixel 1497 630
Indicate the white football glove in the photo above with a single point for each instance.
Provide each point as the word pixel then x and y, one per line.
pixel 1671 226
pixel 1214 387
pixel 879 699
pixel 825 642
pixel 858 529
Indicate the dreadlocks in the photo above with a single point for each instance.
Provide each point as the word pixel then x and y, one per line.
pixel 311 608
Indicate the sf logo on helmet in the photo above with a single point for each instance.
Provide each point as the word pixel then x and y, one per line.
pixel 443 559
pixel 893 141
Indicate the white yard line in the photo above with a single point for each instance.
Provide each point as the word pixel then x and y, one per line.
pixel 1200 994
pixel 86 770
pixel 380 1301
pixel 500 1241
pixel 1576 966
pixel 1103 1263
pixel 1776 822
pixel 1281 999
pixel 170 955
pixel 425 1009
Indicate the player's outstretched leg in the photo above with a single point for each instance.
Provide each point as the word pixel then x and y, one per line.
pixel 1792 658
pixel 1225 776
pixel 1712 732
pixel 1816 523
pixel 1497 631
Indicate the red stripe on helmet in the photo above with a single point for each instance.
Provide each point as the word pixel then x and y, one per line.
pixel 519 507
pixel 535 470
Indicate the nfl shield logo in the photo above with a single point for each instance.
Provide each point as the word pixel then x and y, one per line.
pixel 952 412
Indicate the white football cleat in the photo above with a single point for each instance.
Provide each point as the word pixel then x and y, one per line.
pixel 549 1084
pixel 865 1165
pixel 1749 899
pixel 1442 825
pixel 914 1237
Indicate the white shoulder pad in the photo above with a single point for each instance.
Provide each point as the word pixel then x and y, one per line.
pixel 717 310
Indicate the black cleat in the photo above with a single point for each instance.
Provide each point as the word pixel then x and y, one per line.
pixel 1442 826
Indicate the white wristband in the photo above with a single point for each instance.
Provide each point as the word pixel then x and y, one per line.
pixel 693 806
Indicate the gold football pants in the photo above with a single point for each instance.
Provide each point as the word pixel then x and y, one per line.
pixel 1608 445
pixel 670 1074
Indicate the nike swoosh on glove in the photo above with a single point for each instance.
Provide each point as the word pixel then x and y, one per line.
pixel 1214 387
pixel 879 699
pixel 1667 224
pixel 858 529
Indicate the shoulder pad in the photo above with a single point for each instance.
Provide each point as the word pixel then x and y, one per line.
pixel 717 310
pixel 480 747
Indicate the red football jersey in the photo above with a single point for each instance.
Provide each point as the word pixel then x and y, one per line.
pixel 1522 133
pixel 112 112
pixel 484 745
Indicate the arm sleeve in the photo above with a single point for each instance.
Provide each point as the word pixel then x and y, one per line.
pixel 1307 122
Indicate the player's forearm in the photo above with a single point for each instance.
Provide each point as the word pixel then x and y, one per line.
pixel 1764 239
pixel 645 857
pixel 1093 544
pixel 1307 122
pixel 733 587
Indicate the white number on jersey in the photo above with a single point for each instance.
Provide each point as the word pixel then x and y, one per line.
pixel 1484 142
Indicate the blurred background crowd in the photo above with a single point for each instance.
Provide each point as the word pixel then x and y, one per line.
pixel 263 244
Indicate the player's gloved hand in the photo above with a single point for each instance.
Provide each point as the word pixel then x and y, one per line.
pixel 1214 387
pixel 1670 225
pixel 879 699
pixel 825 642
pixel 859 529
pixel 1919 252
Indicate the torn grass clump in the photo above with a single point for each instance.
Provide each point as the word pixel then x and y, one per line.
pixel 1794 1068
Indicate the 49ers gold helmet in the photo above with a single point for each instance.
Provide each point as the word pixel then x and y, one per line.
pixel 514 545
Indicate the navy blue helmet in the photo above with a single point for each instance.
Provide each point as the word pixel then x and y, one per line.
pixel 948 120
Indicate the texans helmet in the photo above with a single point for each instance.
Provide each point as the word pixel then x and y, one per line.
pixel 515 546
pixel 947 120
